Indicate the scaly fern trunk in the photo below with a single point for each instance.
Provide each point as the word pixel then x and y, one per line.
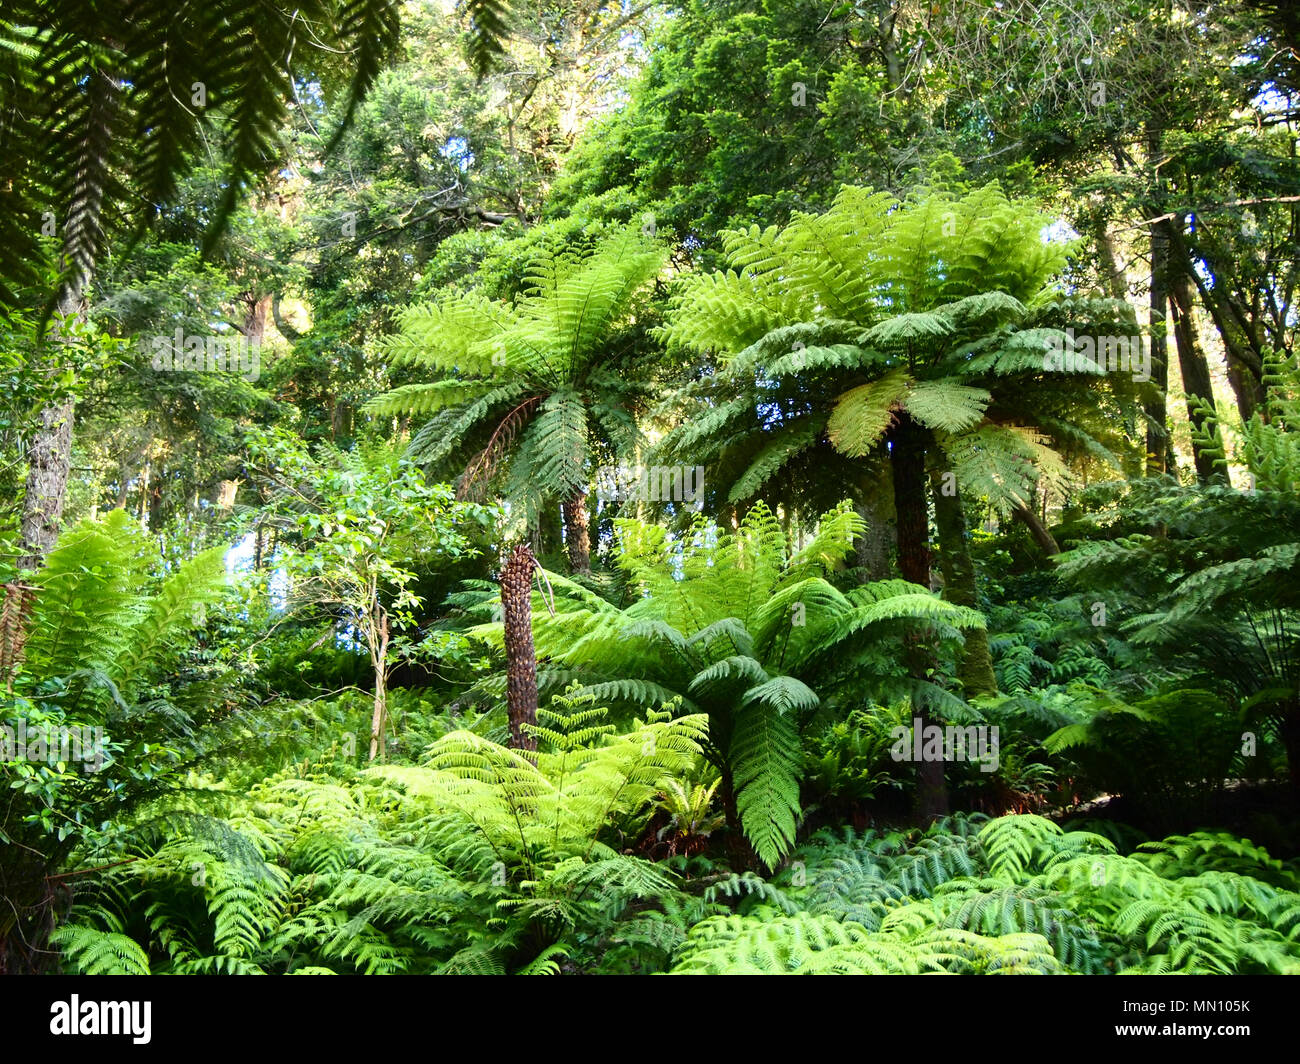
pixel 1290 735
pixel 521 657
pixel 740 852
pixel 907 462
pixel 577 534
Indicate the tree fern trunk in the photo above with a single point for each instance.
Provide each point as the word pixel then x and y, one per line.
pixel 875 546
pixel 1290 734
pixel 959 585
pixel 577 534
pixel 907 462
pixel 740 853
pixel 521 657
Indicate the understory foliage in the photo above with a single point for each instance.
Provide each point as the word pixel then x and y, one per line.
pixel 366 874
pixel 97 630
pixel 740 626
pixel 1208 575
pixel 1010 896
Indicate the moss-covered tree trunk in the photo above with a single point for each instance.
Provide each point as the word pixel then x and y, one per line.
pixel 959 585
pixel 907 462
pixel 49 454
pixel 740 853
pixel 1158 443
pixel 521 657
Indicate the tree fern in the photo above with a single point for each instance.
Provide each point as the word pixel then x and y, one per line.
pixel 528 389
pixel 737 627
pixel 941 308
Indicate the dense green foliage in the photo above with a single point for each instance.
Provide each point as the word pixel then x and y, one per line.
pixel 721 486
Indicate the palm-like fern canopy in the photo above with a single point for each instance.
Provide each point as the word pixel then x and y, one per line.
pixel 539 377
pixel 838 325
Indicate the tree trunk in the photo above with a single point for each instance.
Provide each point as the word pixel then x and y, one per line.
pixel 959 585
pixel 1289 732
pixel 874 548
pixel 1241 348
pixel 1196 375
pixel 379 658
pixel 341 420
pixel 48 460
pixel 1113 274
pixel 1157 434
pixel 50 453
pixel 740 852
pixel 1157 429
pixel 521 657
pixel 1044 538
pixel 577 535
pixel 256 308
pixel 282 326
pixel 907 461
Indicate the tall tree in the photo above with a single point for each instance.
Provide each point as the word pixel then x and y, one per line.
pixel 521 655
pixel 368 523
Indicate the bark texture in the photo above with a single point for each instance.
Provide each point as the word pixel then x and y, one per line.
pixel 577 533
pixel 521 656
